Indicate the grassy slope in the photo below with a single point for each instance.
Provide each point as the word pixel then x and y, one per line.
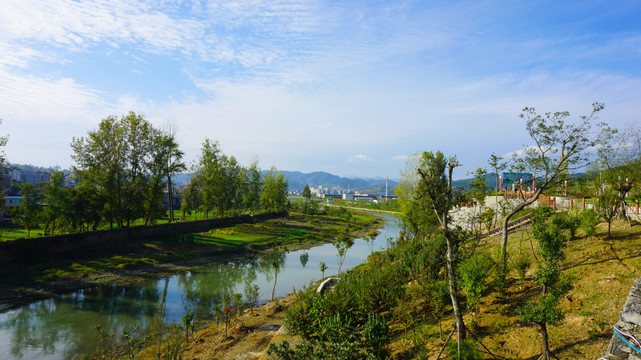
pixel 604 270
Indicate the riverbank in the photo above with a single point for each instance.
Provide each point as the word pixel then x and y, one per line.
pixel 142 260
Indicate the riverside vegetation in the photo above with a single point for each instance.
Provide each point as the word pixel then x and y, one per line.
pixel 506 297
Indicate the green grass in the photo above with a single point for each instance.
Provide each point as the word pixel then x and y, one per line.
pixel 231 240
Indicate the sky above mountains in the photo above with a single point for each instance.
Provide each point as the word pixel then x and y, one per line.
pixel 347 87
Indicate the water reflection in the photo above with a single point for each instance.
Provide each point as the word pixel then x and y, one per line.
pixel 64 326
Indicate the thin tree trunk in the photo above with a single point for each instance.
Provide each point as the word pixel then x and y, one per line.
pixel 170 200
pixel 451 279
pixel 275 279
pixel 545 348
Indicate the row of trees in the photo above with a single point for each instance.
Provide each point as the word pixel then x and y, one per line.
pixel 124 171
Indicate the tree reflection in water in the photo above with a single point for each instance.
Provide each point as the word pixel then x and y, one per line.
pixel 64 326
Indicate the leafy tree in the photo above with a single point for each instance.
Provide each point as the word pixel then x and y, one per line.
pixel 370 238
pixel 342 243
pixel 478 185
pixel 86 206
pixel 474 273
pixel 589 222
pixel 417 222
pixel 323 267
pixel 251 200
pixel 436 188
pixel 121 158
pixel 487 218
pixel 251 294
pixel 274 194
pixel 172 164
pixel 497 165
pixel 619 161
pixel 547 229
pixel 560 147
pixel 55 199
pixel 27 214
pixel 307 194
pixel 221 180
pixel 607 208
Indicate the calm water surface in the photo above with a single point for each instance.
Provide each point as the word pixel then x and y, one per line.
pixel 64 326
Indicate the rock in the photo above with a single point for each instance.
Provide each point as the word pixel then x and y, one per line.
pixel 630 323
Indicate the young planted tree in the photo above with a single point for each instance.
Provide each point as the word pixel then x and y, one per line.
pixel 371 236
pixel 495 162
pixel 607 208
pixel 547 229
pixel 560 146
pixel 251 295
pixel 323 267
pixel 589 222
pixel 619 161
pixel 436 188
pixel 342 243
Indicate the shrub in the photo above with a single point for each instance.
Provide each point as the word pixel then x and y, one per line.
pixel 469 351
pixel 376 334
pixel 589 222
pixel 571 222
pixel 474 273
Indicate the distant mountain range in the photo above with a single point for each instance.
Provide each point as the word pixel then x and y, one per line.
pixel 297 181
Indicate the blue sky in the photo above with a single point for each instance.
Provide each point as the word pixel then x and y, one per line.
pixel 347 87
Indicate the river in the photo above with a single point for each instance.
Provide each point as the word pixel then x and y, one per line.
pixel 64 325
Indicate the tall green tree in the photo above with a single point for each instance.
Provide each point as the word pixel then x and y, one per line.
pixel 253 186
pixel 28 213
pixel 274 194
pixel 495 162
pixel 560 147
pixel 436 189
pixel 548 230
pixel 418 224
pixel 122 158
pixel 619 162
pixel 54 214
pixel 173 164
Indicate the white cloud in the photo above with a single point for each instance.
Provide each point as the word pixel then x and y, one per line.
pixel 360 158
pixel 400 158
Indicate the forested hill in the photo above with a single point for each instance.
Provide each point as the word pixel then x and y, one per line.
pixel 297 181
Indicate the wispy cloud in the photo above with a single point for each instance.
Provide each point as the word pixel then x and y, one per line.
pixel 360 158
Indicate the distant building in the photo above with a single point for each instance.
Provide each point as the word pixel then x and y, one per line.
pixel 360 197
pixel 13 201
